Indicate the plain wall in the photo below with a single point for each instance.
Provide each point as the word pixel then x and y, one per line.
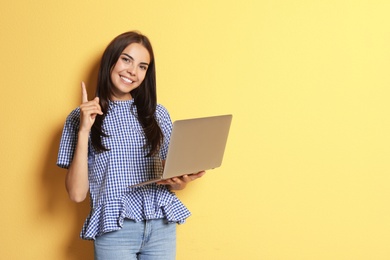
pixel 306 170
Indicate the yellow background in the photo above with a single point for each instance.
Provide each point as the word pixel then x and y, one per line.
pixel 306 170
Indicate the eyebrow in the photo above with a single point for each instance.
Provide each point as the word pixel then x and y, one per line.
pixel 127 55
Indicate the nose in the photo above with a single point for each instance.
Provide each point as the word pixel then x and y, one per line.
pixel 131 69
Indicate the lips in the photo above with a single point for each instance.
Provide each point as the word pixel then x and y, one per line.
pixel 126 79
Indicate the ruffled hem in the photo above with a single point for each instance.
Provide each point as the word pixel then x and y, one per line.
pixel 136 206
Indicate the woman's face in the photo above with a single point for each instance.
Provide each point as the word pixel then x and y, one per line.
pixel 129 71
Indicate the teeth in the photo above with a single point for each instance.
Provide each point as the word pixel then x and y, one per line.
pixel 126 79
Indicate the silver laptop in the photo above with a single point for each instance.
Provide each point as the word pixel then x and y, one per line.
pixel 196 144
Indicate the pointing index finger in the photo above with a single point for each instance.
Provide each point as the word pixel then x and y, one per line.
pixel 84 95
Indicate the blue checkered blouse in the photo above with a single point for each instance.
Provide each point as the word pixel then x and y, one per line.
pixel 112 172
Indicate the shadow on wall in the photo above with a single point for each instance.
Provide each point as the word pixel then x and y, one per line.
pixel 53 179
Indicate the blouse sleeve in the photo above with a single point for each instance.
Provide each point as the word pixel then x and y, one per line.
pixel 165 122
pixel 69 139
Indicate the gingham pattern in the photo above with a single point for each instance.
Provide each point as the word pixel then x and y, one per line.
pixel 112 172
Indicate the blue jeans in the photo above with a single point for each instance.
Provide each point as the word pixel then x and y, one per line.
pixel 145 240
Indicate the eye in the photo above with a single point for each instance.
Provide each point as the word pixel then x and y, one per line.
pixel 125 59
pixel 143 67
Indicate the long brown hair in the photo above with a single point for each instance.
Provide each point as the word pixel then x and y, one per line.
pixel 145 96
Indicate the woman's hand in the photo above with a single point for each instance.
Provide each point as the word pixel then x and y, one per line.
pixel 179 183
pixel 88 110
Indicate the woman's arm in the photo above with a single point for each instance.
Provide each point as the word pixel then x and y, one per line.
pixel 76 181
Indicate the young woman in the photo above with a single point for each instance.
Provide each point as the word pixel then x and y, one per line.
pixel 118 139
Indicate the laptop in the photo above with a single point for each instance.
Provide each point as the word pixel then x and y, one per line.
pixel 196 144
